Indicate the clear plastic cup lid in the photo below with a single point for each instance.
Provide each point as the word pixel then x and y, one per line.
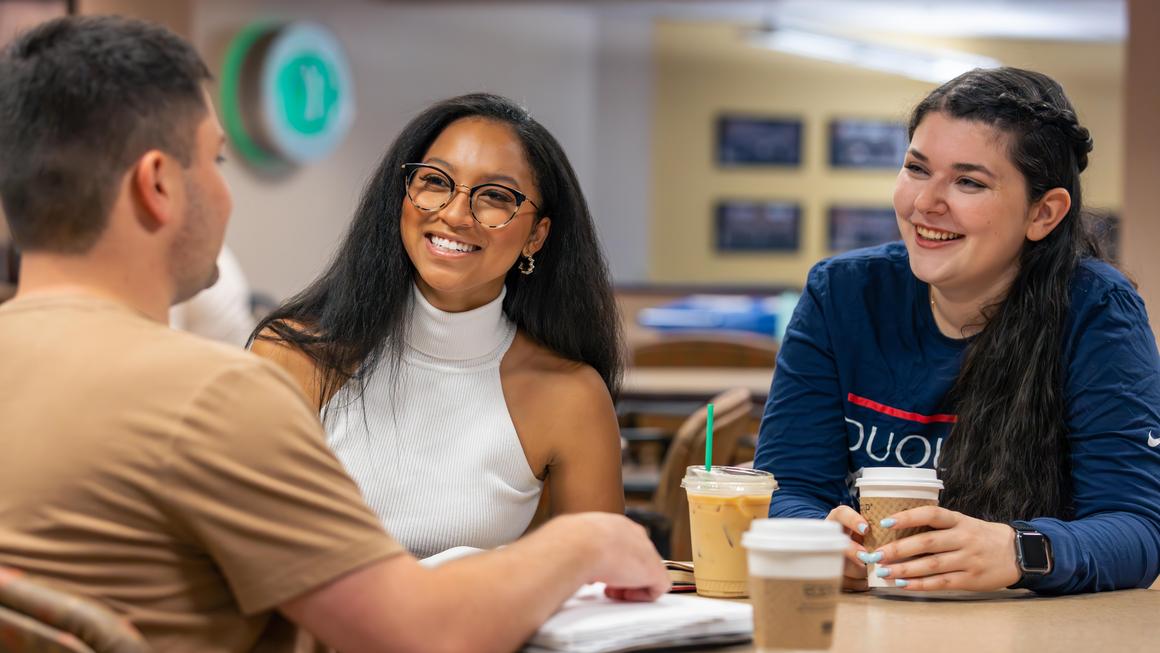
pixel 729 480
pixel 804 535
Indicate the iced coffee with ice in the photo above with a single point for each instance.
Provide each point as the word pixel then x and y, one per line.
pixel 723 501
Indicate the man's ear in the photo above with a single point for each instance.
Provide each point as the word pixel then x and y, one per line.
pixel 538 236
pixel 1047 213
pixel 154 182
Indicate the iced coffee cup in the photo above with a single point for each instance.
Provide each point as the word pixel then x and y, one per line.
pixel 795 577
pixel 884 491
pixel 723 501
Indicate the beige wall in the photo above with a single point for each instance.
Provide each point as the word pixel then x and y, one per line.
pixel 584 74
pixel 1141 229
pixel 284 229
pixel 18 15
pixel 703 70
pixel 15 17
pixel 177 15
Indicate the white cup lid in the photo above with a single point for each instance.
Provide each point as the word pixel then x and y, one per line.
pixel 805 535
pixel 913 477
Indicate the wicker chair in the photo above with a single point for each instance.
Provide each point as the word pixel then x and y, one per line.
pixel 35 618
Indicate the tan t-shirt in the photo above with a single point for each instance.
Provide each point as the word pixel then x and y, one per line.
pixel 183 483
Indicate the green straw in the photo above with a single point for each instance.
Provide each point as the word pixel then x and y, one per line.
pixel 709 440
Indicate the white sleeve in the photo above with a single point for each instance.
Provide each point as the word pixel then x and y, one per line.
pixel 222 311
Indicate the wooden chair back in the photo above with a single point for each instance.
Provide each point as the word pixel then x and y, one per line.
pixel 35 618
pixel 737 349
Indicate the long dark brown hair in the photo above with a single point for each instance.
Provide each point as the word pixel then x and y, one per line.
pixel 1007 456
pixel 355 315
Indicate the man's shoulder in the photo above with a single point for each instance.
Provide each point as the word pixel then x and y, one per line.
pixel 171 349
pixel 189 365
pixel 46 334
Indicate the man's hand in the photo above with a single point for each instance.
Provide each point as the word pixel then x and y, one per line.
pixel 624 558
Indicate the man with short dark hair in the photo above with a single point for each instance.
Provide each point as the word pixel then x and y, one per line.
pixel 185 484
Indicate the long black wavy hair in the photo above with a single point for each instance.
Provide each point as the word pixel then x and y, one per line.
pixel 355 315
pixel 1007 456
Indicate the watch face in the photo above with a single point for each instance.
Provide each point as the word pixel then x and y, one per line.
pixel 1034 549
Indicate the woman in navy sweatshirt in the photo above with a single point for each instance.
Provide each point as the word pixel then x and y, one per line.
pixel 994 345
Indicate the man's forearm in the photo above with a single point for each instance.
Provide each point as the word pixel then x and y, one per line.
pixel 489 602
pixel 500 598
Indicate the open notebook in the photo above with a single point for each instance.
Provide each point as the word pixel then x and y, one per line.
pixel 590 622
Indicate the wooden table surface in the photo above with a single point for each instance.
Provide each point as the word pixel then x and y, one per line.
pixel 693 382
pixel 1127 621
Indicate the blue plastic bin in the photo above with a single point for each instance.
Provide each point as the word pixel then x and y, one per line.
pixel 764 315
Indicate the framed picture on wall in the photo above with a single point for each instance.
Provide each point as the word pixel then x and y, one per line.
pixel 758 226
pixel 757 141
pixel 867 144
pixel 852 227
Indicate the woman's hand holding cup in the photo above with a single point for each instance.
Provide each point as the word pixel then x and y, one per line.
pixel 960 553
pixel 854 572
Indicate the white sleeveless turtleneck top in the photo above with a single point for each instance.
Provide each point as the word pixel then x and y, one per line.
pixel 435 453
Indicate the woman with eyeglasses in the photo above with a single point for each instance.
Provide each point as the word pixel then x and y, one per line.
pixel 464 345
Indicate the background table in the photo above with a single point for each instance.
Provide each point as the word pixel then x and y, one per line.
pixel 1127 621
pixel 693 383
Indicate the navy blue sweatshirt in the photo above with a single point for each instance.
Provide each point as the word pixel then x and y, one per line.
pixel 862 380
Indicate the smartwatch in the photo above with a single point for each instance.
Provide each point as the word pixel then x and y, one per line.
pixel 1032 555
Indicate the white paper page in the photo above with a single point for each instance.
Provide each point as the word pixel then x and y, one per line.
pixel 590 622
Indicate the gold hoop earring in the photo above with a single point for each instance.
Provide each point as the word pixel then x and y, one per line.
pixel 528 265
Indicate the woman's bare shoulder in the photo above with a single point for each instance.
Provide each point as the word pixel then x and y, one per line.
pixel 553 378
pixel 269 343
pixel 272 346
pixel 561 408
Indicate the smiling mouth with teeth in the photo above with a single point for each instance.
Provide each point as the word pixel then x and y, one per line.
pixel 932 234
pixel 451 245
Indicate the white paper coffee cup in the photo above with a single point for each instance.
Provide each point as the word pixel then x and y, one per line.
pixel 795 577
pixel 883 491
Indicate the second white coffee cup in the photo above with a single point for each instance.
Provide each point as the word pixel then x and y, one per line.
pixel 795 577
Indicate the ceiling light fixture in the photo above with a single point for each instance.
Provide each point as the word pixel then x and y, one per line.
pixel 935 66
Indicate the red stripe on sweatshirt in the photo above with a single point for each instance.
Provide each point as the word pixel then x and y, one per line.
pixel 901 414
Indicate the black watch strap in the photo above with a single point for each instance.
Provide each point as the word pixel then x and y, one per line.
pixel 1033 555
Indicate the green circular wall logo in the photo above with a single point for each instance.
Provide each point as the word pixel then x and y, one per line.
pixel 309 95
pixel 287 95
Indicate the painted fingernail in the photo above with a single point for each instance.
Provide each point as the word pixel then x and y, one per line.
pixel 869 558
pixel 862 527
pixel 898 582
pixel 888 522
pixel 883 572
